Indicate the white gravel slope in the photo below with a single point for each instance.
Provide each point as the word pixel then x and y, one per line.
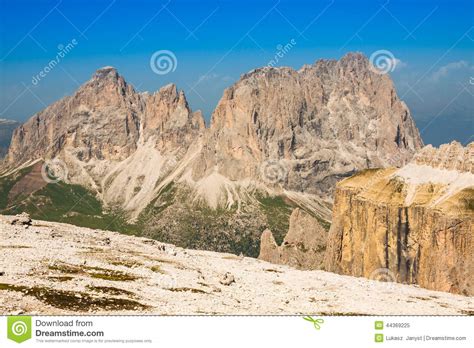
pixel 44 266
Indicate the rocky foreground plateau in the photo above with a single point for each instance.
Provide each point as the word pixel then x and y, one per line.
pixel 54 268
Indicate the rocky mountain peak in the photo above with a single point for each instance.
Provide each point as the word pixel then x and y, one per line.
pixel 106 72
pixel 107 78
pixel 452 156
pixel 350 61
pixel 171 94
pixel 168 110
pixel 288 131
pixel 320 123
pixel 106 82
pixel 102 120
pixel 354 59
pixel 169 90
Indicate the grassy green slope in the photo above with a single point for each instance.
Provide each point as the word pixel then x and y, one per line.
pixel 7 183
pixel 62 203
pixel 172 217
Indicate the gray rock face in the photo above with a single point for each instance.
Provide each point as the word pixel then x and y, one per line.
pixel 167 114
pixel 318 124
pixel 452 156
pixel 303 247
pixel 102 120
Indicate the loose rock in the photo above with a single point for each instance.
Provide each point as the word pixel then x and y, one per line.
pixel 22 219
pixel 227 279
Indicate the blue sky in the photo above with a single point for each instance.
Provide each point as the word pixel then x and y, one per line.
pixel 214 42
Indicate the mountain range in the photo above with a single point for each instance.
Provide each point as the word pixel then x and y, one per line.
pixel 320 168
pixel 147 164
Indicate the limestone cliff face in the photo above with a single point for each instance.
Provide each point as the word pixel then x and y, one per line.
pixel 417 222
pixel 101 120
pixel 303 247
pixel 168 114
pixel 320 124
pixel 113 140
pixel 105 119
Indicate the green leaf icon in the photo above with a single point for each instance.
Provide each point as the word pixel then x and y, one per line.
pixel 19 328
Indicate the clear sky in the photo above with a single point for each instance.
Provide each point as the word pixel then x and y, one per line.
pixel 214 42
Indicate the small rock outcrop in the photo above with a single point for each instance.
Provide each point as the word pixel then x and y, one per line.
pixel 22 219
pixel 303 247
pixel 227 279
pixel 269 249
pixel 417 222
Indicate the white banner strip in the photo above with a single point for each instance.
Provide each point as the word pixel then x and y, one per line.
pixel 236 331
